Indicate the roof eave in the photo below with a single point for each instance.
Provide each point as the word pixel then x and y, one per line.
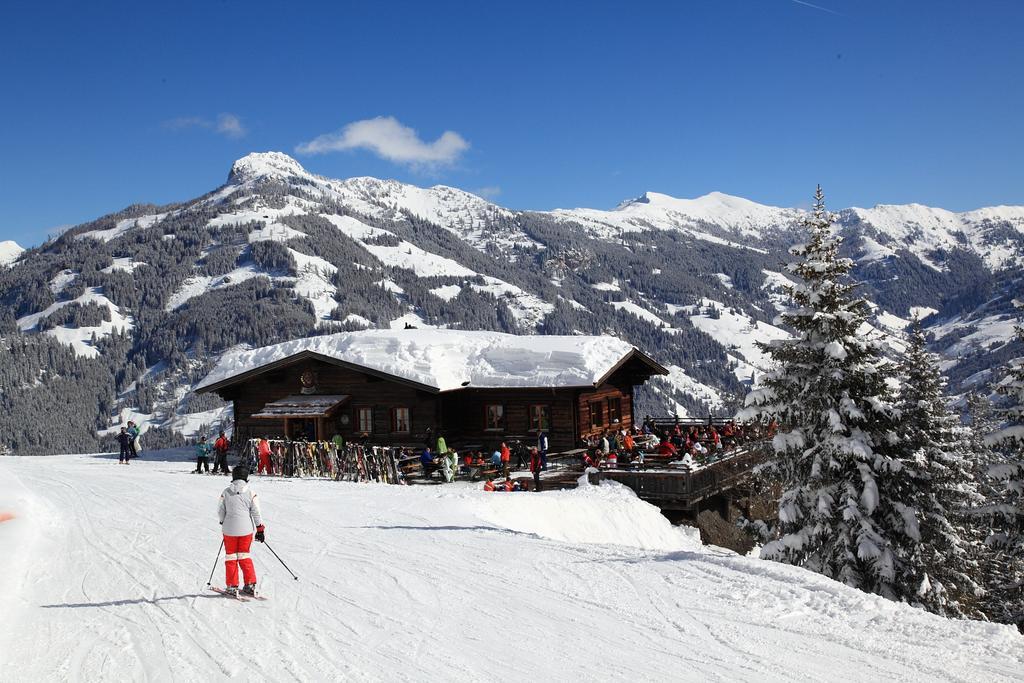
pixel 657 367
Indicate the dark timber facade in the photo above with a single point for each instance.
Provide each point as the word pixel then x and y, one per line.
pixel 315 396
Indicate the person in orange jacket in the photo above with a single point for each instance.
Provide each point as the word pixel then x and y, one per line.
pixel 489 485
pixel 508 485
pixel 628 443
pixel 506 455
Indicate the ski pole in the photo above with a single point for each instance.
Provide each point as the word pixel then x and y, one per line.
pixel 281 561
pixel 215 562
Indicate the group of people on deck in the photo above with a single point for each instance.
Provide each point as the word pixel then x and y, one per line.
pixel 474 464
pixel 444 459
pixel 682 444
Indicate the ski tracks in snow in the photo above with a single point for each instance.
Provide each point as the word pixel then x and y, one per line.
pixel 421 583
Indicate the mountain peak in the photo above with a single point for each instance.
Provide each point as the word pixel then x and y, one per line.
pixel 10 251
pixel 265 165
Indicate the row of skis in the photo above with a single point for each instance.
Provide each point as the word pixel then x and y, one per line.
pixel 352 462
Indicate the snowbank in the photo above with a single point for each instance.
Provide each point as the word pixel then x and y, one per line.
pixel 609 513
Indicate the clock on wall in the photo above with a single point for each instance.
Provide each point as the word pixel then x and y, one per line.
pixel 308 381
pixel 344 419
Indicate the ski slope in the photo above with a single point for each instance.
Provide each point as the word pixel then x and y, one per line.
pixel 103 578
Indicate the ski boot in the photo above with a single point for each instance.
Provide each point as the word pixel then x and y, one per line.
pixel 249 589
pixel 232 591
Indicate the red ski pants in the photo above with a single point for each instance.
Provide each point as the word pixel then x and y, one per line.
pixel 236 552
pixel 265 465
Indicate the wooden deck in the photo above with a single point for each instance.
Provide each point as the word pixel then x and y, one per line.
pixel 685 491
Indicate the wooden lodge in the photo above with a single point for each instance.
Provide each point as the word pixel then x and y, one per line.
pixel 406 387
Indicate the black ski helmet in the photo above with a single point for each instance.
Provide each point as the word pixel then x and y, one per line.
pixel 240 472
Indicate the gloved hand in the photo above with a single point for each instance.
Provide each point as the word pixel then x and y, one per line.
pixel 259 534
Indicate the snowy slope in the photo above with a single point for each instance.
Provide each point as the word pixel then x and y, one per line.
pixel 739 332
pixel 107 583
pixel 80 338
pixel 10 251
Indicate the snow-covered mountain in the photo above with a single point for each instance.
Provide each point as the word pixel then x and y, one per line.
pixel 469 217
pixel 996 234
pixel 10 251
pixel 714 217
pixel 140 303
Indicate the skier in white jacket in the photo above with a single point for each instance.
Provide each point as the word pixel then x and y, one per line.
pixel 239 511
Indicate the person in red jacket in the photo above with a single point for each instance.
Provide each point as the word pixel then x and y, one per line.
pixel 263 452
pixel 666 447
pixel 220 449
pixel 506 455
pixel 536 465
pixel 508 485
pixel 489 485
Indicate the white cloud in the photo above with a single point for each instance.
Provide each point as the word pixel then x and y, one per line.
pixel 231 126
pixel 488 192
pixel 228 125
pixel 386 137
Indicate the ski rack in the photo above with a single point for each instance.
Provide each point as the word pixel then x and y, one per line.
pixel 325 460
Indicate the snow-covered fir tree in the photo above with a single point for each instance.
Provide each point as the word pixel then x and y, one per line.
pixel 837 452
pixel 942 489
pixel 982 422
pixel 1005 508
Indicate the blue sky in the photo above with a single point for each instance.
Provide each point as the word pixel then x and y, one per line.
pixel 538 105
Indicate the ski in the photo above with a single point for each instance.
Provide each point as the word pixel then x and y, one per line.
pixel 239 597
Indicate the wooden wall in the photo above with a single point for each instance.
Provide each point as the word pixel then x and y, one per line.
pixel 458 415
pixel 463 416
pixel 601 396
pixel 366 391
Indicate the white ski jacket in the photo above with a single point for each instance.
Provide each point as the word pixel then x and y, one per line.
pixel 239 509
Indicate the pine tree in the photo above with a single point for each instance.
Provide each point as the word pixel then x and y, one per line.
pixel 836 456
pixel 1006 507
pixel 940 468
pixel 982 423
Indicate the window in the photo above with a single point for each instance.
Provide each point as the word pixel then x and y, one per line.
pixel 614 410
pixel 540 418
pixel 494 417
pixel 596 414
pixel 364 420
pixel 400 420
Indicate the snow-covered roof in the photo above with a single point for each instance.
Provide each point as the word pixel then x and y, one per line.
pixel 445 360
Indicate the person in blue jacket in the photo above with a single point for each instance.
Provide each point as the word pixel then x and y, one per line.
pixel 427 461
pixel 133 432
pixel 202 455
pixel 542 447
